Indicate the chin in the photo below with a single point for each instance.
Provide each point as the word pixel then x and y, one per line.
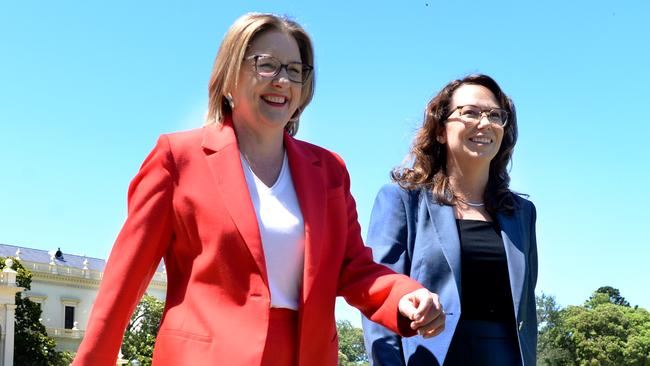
pixel 274 120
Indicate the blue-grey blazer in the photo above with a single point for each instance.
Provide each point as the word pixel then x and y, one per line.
pixel 413 234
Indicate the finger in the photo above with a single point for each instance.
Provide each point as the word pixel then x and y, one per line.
pixel 406 307
pixel 423 301
pixel 433 328
pixel 433 313
pixel 429 317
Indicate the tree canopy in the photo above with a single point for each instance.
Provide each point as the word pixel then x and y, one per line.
pixel 604 331
pixel 351 348
pixel 140 336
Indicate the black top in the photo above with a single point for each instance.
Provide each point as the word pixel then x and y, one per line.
pixel 485 283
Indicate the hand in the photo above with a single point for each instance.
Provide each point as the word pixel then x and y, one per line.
pixel 424 310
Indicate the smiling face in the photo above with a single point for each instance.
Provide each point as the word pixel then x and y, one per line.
pixel 473 143
pixel 267 104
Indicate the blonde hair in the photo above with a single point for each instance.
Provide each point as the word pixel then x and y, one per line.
pixel 227 64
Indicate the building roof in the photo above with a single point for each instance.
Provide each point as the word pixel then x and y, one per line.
pixel 65 259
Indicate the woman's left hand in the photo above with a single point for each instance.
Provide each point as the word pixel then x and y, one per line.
pixel 424 310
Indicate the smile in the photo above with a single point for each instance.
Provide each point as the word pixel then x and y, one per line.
pixel 481 140
pixel 275 99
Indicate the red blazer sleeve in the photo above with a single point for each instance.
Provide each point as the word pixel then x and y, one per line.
pixel 372 288
pixel 136 254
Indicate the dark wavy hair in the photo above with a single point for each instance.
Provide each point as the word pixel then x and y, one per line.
pixel 429 157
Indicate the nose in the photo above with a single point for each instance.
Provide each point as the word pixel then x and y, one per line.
pixel 282 78
pixel 483 120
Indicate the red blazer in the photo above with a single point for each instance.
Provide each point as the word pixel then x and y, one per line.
pixel 190 205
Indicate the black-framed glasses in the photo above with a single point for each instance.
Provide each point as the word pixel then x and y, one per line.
pixel 268 66
pixel 473 114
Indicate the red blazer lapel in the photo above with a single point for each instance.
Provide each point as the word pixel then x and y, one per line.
pixel 310 189
pixel 222 155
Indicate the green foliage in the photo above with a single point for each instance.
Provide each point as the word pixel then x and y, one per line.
pixel 547 311
pixel 32 346
pixel 607 294
pixel 548 319
pixel 604 331
pixel 351 348
pixel 140 336
pixel 66 358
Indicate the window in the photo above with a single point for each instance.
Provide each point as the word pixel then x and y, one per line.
pixel 69 317
pixel 68 309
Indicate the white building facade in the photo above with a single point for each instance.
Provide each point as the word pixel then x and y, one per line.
pixel 65 286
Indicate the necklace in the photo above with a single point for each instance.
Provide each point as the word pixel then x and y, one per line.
pixel 471 204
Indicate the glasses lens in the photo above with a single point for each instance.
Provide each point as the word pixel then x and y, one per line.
pixel 267 66
pixel 498 116
pixel 294 72
pixel 470 113
pixel 306 71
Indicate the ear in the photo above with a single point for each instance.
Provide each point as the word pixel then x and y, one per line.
pixel 231 102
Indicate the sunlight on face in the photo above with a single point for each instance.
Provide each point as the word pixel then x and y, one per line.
pixel 475 142
pixel 267 103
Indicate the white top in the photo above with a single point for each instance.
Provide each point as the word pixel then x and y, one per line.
pixel 282 231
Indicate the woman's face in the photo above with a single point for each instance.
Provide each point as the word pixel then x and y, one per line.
pixel 472 142
pixel 267 103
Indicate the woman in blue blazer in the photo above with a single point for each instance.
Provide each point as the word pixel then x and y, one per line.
pixel 450 222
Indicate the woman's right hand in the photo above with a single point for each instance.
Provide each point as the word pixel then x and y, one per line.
pixel 424 310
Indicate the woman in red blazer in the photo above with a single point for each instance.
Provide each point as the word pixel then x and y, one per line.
pixel 253 268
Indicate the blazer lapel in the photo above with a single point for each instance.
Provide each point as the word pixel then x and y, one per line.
pixel 312 195
pixel 511 234
pixel 444 226
pixel 222 156
pixel 442 231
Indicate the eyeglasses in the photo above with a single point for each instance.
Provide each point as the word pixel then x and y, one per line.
pixel 473 114
pixel 269 67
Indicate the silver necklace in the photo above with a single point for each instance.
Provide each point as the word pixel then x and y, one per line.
pixel 471 204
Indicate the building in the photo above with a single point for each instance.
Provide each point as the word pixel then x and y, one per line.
pixel 65 286
pixel 8 290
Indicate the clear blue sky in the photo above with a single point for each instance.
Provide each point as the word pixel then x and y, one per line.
pixel 85 89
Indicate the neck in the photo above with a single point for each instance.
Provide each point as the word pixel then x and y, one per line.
pixel 468 182
pixel 260 148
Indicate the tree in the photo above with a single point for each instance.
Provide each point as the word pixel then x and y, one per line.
pixel 548 311
pixel 351 348
pixel 32 345
pixel 612 295
pixel 140 336
pixel 604 331
pixel 548 318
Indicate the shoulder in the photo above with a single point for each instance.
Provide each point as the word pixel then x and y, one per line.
pixel 180 139
pixel 183 146
pixel 333 167
pixel 523 203
pixel 326 156
pixel 395 193
pixel 524 208
pixel 394 190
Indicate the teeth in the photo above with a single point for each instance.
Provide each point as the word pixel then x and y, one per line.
pixel 274 99
pixel 481 140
